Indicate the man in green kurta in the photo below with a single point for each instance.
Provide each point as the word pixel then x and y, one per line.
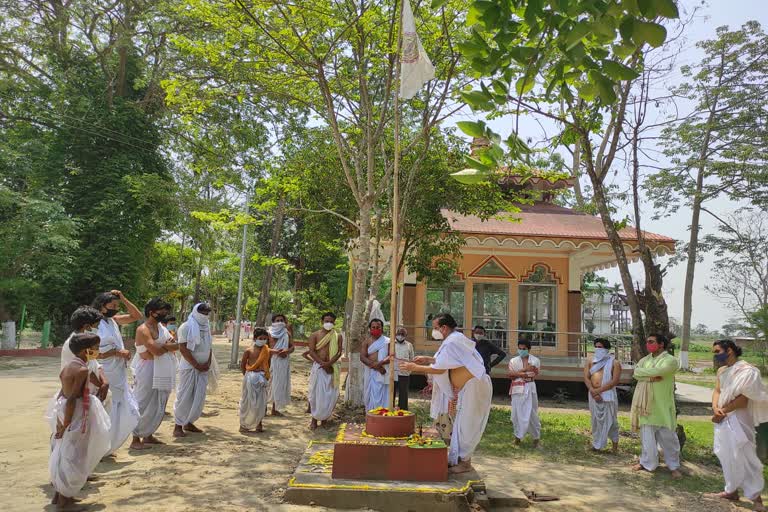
pixel 658 418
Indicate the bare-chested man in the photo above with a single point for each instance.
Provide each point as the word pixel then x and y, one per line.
pixel 458 370
pixel 325 349
pixel 602 374
pixel 154 369
pixel 79 424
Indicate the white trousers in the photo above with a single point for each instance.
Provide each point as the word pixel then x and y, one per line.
pixel 472 409
pixel 525 412
pixel 652 439
pixel 605 422
pixel 253 401
pixel 190 396
pixel 736 448
pixel 151 402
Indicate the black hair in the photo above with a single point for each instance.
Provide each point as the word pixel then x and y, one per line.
pixel 726 344
pixel 445 319
pixel 661 339
pixel 103 299
pixel 328 314
pixel 479 327
pixel 155 304
pixel 82 341
pixel 525 342
pixel 606 342
pixel 375 321
pixel 259 332
pixel 279 315
pixel 84 315
pixel 170 319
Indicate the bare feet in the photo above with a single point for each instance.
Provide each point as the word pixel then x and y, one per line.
pixel 313 424
pixel 518 441
pixel 615 448
pixel 676 474
pixel 758 502
pixel 309 409
pixel 638 467
pixel 463 466
pixel 136 444
pixel 275 412
pixel 259 428
pixel 733 496
pixel 190 427
pixel 244 430
pixel 537 443
pixel 152 440
pixel 178 431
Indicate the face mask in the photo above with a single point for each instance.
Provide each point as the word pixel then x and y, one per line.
pixel 171 327
pixel 200 318
pixel 480 337
pixel 400 338
pixel 376 332
pixel 600 353
pixel 278 325
pixel 651 347
pixel 721 357
pixel 522 352
pixel 160 318
pixel 110 313
pixel 328 326
pixel 260 342
pixel 92 331
pixel 437 334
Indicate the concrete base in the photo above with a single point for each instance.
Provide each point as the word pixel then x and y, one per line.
pixel 311 484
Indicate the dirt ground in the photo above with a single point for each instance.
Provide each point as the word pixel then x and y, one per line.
pixel 223 470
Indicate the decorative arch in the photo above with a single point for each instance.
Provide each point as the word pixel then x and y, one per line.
pixel 537 268
pixel 492 267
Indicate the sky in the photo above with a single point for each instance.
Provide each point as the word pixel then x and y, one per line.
pixel 707 309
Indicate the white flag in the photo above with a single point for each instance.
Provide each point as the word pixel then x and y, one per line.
pixel 416 68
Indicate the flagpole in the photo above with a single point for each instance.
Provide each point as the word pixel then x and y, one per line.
pixel 395 214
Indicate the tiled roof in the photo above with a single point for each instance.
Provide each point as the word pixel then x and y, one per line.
pixel 544 220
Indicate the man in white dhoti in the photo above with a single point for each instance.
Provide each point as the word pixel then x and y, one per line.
pixel 280 366
pixel 601 375
pixel 458 371
pixel 79 425
pixel 524 400
pixel 85 319
pixel 124 413
pixel 154 372
pixel 195 347
pixel 256 372
pixel 325 349
pixel 375 358
pixel 740 403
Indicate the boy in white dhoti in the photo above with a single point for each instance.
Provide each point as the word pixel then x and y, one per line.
pixel 256 373
pixel 280 366
pixel 79 425
pixel 740 403
pixel 457 370
pixel 85 319
pixel 602 374
pixel 325 349
pixel 154 372
pixel 376 361
pixel 524 400
pixel 195 347
pixel 124 413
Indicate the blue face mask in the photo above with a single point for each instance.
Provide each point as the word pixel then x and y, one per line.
pixel 522 353
pixel 721 357
pixel 171 327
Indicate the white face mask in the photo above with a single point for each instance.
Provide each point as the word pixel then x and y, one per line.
pixel 437 334
pixel 92 331
pixel 328 326
pixel 400 337
pixel 259 342
pixel 600 353
pixel 200 318
pixel 278 325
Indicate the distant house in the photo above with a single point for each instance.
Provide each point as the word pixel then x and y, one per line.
pixel 605 311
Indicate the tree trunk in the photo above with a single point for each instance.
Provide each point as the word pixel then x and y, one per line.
pixel 269 272
pixel 298 282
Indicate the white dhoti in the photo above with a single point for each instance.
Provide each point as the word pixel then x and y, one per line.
pixel 605 422
pixel 190 396
pixel 253 401
pixel 377 384
pixel 525 412
pixel 652 438
pixel 736 449
pixel 124 414
pixel 280 371
pixel 472 410
pixel 323 393
pixel 76 454
pixel 151 401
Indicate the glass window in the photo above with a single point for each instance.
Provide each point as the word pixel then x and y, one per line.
pixel 538 308
pixel 448 299
pixel 490 308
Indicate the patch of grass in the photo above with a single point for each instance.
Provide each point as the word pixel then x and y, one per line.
pixel 697 382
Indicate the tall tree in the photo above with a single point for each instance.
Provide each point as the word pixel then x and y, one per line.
pixel 719 149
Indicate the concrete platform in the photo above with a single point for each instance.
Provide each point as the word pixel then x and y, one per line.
pixel 311 484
